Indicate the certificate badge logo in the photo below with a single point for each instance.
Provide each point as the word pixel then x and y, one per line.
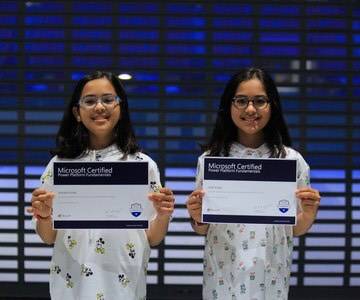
pixel 136 209
pixel 284 205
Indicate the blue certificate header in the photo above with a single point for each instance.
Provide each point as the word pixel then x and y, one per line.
pixel 99 173
pixel 249 169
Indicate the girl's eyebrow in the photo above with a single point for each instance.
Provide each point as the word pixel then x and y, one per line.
pixel 250 96
pixel 105 94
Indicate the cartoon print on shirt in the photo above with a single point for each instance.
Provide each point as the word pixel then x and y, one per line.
pixel 138 157
pixel 221 281
pixel 230 234
pixel 56 269
pixel 245 245
pixel 242 266
pixel 252 235
pixel 131 248
pixel 100 296
pixel 263 243
pixel 252 275
pixel 86 270
pixel 46 177
pixel 221 264
pixel 275 248
pixel 69 283
pixel 71 243
pixel 123 280
pixel 233 255
pixel 154 187
pixel 99 248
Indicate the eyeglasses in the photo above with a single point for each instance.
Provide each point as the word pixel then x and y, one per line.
pixel 242 102
pixel 108 101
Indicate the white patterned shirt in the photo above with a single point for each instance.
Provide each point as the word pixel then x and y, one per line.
pixel 100 264
pixel 249 261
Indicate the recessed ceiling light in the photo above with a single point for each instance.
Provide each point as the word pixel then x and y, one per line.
pixel 125 76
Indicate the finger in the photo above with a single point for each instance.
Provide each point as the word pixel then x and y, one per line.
pixel 45 197
pixel 167 211
pixel 41 208
pixel 194 206
pixel 196 211
pixel 170 199
pixel 308 195
pixel 41 204
pixel 165 197
pixel 157 197
pixel 36 204
pixel 307 189
pixel 195 197
pixel 38 192
pixel 191 201
pixel 166 204
pixel 48 199
pixel 197 193
pixel 166 191
pixel 311 203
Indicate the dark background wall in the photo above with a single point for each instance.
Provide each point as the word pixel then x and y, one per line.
pixel 180 54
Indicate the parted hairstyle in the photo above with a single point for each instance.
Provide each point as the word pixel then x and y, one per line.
pixel 72 139
pixel 225 132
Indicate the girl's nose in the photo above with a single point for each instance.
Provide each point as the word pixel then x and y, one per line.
pixel 250 108
pixel 99 106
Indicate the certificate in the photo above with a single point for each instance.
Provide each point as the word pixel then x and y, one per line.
pixel 101 195
pixel 258 191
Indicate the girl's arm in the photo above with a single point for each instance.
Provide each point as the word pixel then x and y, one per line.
pixel 310 200
pixel 41 208
pixel 164 205
pixel 194 206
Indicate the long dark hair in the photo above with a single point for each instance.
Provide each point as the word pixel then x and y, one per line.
pixel 72 139
pixel 276 133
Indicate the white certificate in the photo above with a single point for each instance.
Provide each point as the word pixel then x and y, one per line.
pixel 101 195
pixel 258 191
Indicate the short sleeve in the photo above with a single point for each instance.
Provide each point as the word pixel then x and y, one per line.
pixel 302 176
pixel 154 177
pixel 199 173
pixel 303 173
pixel 46 182
pixel 47 178
pixel 155 184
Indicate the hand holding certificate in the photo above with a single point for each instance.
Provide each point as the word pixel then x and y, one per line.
pixel 249 191
pixel 101 195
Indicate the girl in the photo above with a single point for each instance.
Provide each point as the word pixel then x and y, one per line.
pixel 251 261
pixel 99 264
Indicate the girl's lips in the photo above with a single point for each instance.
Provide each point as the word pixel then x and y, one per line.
pixel 100 118
pixel 250 119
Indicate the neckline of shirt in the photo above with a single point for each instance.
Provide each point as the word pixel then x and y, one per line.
pixel 105 150
pixel 259 151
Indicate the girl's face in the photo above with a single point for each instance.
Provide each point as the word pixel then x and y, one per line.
pixel 249 120
pixel 100 119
